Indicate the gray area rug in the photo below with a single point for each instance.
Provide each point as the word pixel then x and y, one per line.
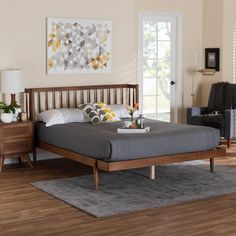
pixel 129 191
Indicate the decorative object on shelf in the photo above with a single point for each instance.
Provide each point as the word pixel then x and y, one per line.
pixel 140 122
pixel 131 124
pixel 212 58
pixel 6 117
pixel 131 110
pixel 12 83
pixel 8 112
pixel 78 46
pixel 203 72
pixel 126 123
pixel 17 114
pixel 23 116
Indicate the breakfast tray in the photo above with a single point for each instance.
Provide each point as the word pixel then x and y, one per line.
pixel 133 131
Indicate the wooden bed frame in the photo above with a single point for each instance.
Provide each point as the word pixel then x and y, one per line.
pixel 39 99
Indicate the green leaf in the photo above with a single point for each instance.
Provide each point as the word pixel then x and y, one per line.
pixel 7 109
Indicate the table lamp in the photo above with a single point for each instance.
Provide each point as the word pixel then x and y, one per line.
pixel 12 83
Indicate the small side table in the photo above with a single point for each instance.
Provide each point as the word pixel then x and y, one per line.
pixel 16 140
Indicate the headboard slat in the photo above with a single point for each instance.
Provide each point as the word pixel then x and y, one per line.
pixel 46 100
pixel 39 102
pixel 68 99
pixel 122 95
pixel 54 99
pixel 128 97
pixel 82 96
pixel 61 99
pixel 95 95
pixel 103 95
pixel 108 96
pixel 75 99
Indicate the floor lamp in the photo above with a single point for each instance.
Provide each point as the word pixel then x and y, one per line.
pixel 203 72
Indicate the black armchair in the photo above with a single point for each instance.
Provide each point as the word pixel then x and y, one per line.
pixel 219 113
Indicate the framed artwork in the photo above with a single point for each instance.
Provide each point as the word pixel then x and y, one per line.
pixel 212 58
pixel 78 46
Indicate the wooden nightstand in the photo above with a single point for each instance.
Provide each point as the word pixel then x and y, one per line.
pixel 16 140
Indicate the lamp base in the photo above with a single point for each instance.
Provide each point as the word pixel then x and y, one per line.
pixel 13 101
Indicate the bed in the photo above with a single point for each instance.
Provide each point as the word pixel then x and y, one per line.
pixel 102 148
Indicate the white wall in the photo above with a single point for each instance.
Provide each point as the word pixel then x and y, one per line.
pixel 228 21
pixel 212 38
pixel 219 17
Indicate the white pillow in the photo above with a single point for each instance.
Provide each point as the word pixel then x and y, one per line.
pixel 121 110
pixel 62 116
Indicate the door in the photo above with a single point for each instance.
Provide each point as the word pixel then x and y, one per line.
pixel 159 66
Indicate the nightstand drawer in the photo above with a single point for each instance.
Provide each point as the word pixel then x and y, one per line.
pixel 16 146
pixel 19 131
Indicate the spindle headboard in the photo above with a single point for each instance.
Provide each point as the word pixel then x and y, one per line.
pixel 40 99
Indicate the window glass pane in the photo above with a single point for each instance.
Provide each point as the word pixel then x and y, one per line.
pixel 164 31
pixel 149 68
pixel 149 45
pixel 149 86
pixel 149 26
pixel 164 51
pixel 149 104
pixel 163 101
pixel 164 97
pixel 164 70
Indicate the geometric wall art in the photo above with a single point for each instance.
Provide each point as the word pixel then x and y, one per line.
pixel 78 46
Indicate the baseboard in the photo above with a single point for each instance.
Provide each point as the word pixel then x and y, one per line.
pixel 41 155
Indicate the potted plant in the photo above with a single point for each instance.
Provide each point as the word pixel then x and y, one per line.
pixel 8 111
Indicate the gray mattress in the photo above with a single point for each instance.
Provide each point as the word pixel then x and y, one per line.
pixel 103 142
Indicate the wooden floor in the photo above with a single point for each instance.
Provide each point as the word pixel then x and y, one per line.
pixel 24 210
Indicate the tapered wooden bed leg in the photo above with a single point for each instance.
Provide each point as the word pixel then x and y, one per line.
pixel 95 177
pixel 228 142
pixel 152 172
pixel 1 163
pixel 212 164
pixel 34 155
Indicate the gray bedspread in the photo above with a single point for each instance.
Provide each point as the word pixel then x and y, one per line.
pixel 103 142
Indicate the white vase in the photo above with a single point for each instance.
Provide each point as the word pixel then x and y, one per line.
pixel 6 117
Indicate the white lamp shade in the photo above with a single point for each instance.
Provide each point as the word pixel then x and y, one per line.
pixel 12 81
